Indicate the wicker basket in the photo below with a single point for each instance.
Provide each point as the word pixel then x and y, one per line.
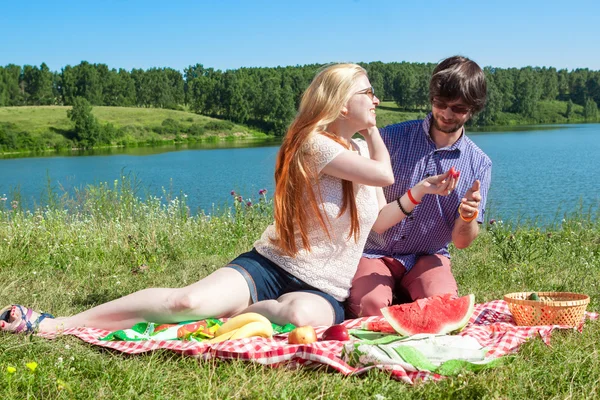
pixel 553 308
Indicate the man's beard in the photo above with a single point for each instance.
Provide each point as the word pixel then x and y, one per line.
pixel 452 129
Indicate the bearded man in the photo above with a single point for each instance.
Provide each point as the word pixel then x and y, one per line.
pixel 410 260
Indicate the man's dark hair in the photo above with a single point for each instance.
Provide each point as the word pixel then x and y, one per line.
pixel 458 77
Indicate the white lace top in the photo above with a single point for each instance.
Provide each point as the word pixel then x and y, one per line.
pixel 330 265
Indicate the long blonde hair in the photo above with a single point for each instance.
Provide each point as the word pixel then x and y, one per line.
pixel 321 104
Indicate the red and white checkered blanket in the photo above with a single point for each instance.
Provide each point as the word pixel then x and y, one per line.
pixel 491 324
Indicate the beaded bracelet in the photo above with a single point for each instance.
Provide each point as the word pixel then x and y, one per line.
pixel 408 214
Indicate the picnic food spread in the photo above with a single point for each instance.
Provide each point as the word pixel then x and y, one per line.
pixel 488 340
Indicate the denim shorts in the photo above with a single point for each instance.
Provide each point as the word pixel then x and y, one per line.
pixel 267 281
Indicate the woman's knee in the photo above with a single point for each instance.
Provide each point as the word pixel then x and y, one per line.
pixel 184 301
pixel 300 314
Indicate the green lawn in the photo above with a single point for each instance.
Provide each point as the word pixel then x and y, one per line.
pixel 46 128
pixel 79 252
pixel 39 119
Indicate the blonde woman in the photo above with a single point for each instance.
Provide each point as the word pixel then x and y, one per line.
pixel 327 197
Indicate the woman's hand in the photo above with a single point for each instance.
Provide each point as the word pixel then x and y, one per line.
pixel 368 133
pixel 441 185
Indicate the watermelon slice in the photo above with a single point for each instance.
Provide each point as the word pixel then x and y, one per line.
pixel 438 315
pixel 378 326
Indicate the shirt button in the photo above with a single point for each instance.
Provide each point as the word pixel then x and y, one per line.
pixel 427 175
pixel 411 217
pixel 403 237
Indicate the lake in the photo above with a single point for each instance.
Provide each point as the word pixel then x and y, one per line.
pixel 537 174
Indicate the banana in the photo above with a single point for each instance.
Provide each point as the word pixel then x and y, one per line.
pixel 240 320
pixel 257 328
pixel 223 337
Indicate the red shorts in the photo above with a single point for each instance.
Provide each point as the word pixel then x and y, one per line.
pixel 381 282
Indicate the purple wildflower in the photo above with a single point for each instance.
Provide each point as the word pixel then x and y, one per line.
pixel 233 193
pixel 249 204
pixel 239 198
pixel 492 221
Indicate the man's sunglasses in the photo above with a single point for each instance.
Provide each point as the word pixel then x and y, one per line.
pixel 455 109
pixel 370 91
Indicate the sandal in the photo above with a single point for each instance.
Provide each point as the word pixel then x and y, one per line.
pixel 26 325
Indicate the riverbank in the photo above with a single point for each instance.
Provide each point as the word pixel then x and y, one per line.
pixel 28 129
pixel 76 252
pixel 48 129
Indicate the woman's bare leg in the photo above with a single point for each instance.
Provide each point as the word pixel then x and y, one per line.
pixel 223 293
pixel 298 308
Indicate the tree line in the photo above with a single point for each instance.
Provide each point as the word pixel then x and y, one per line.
pixel 268 97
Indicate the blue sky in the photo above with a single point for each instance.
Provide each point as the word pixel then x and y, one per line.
pixel 226 34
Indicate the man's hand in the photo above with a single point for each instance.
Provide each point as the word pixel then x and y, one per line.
pixel 469 204
pixel 465 232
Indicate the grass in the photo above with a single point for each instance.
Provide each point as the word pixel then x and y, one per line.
pixel 77 252
pixel 50 126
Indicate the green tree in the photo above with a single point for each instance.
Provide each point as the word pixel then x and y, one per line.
pixel 527 93
pixel 590 110
pixel 569 113
pixel 404 87
pixel 493 105
pixel 87 129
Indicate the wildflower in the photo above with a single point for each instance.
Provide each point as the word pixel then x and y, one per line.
pixel 240 199
pixel 262 192
pixel 3 198
pixel 249 204
pixel 492 221
pixel 67 347
pixel 11 370
pixel 62 385
pixel 59 360
pixel 233 193
pixel 14 204
pixel 549 234
pixel 32 366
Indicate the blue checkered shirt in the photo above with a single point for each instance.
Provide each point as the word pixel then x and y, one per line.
pixel 414 156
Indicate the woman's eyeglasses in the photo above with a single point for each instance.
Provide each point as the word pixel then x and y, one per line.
pixel 370 91
pixel 457 109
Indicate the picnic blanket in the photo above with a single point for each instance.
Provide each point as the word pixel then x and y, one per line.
pixel 491 325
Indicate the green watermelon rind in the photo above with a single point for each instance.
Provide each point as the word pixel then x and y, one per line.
pixel 444 329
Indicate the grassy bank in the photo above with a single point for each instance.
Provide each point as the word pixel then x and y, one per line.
pixel 78 252
pixel 47 128
pixel 548 112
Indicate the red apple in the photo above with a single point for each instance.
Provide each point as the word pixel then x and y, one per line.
pixel 302 335
pixel 336 332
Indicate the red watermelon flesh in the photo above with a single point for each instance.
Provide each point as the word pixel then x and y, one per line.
pixel 378 326
pixel 438 315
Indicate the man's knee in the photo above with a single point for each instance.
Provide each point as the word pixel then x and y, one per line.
pixel 368 305
pixel 430 276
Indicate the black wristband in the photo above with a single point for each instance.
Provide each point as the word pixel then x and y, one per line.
pixel 408 214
